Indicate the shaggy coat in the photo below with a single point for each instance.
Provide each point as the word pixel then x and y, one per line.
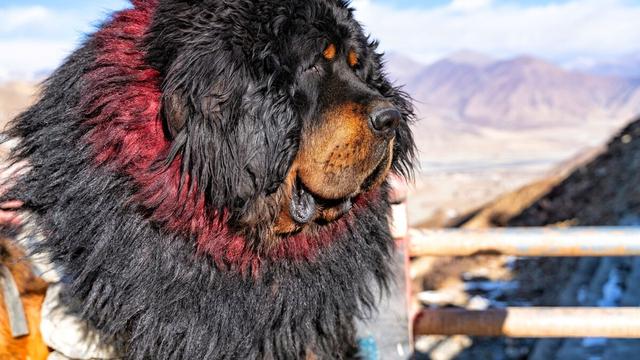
pixel 165 153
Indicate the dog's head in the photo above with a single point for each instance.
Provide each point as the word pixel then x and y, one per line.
pixel 279 110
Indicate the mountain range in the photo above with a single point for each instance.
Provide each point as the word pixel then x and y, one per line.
pixel 525 105
pixel 523 92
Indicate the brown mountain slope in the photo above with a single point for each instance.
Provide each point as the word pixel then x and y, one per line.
pixel 605 191
pixel 520 93
pixel 503 209
pixel 473 108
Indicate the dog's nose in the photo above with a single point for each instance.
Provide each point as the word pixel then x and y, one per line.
pixel 385 120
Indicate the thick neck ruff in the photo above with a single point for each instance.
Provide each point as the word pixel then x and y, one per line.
pixel 146 263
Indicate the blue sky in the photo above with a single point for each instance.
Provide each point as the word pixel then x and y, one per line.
pixel 36 35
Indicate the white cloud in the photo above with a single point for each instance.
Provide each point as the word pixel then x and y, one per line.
pixel 12 19
pixel 44 23
pixel 35 39
pixel 577 29
pixel 469 5
pixel 25 58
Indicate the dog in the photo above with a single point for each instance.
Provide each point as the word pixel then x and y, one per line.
pixel 211 178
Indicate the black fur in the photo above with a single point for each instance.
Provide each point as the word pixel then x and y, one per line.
pixel 234 72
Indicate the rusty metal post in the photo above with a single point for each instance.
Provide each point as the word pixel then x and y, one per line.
pixel 532 322
pixel 600 241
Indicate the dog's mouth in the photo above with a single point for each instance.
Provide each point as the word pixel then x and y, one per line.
pixel 308 207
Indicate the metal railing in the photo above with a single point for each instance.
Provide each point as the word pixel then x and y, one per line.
pixel 543 242
pixel 531 322
pixel 535 322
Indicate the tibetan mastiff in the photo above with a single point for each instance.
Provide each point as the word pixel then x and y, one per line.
pixel 211 177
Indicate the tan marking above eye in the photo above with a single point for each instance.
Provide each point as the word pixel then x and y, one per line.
pixel 330 52
pixel 352 58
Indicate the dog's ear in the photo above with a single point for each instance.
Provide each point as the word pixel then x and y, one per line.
pixel 175 113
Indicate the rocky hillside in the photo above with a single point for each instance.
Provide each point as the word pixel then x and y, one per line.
pixel 605 191
pixel 602 190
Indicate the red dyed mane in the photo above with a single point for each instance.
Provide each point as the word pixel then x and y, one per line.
pixel 122 107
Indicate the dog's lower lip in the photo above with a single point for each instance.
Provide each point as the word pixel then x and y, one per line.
pixel 305 204
pixel 320 200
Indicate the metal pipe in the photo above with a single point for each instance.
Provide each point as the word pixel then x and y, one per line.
pixel 549 242
pixel 532 322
